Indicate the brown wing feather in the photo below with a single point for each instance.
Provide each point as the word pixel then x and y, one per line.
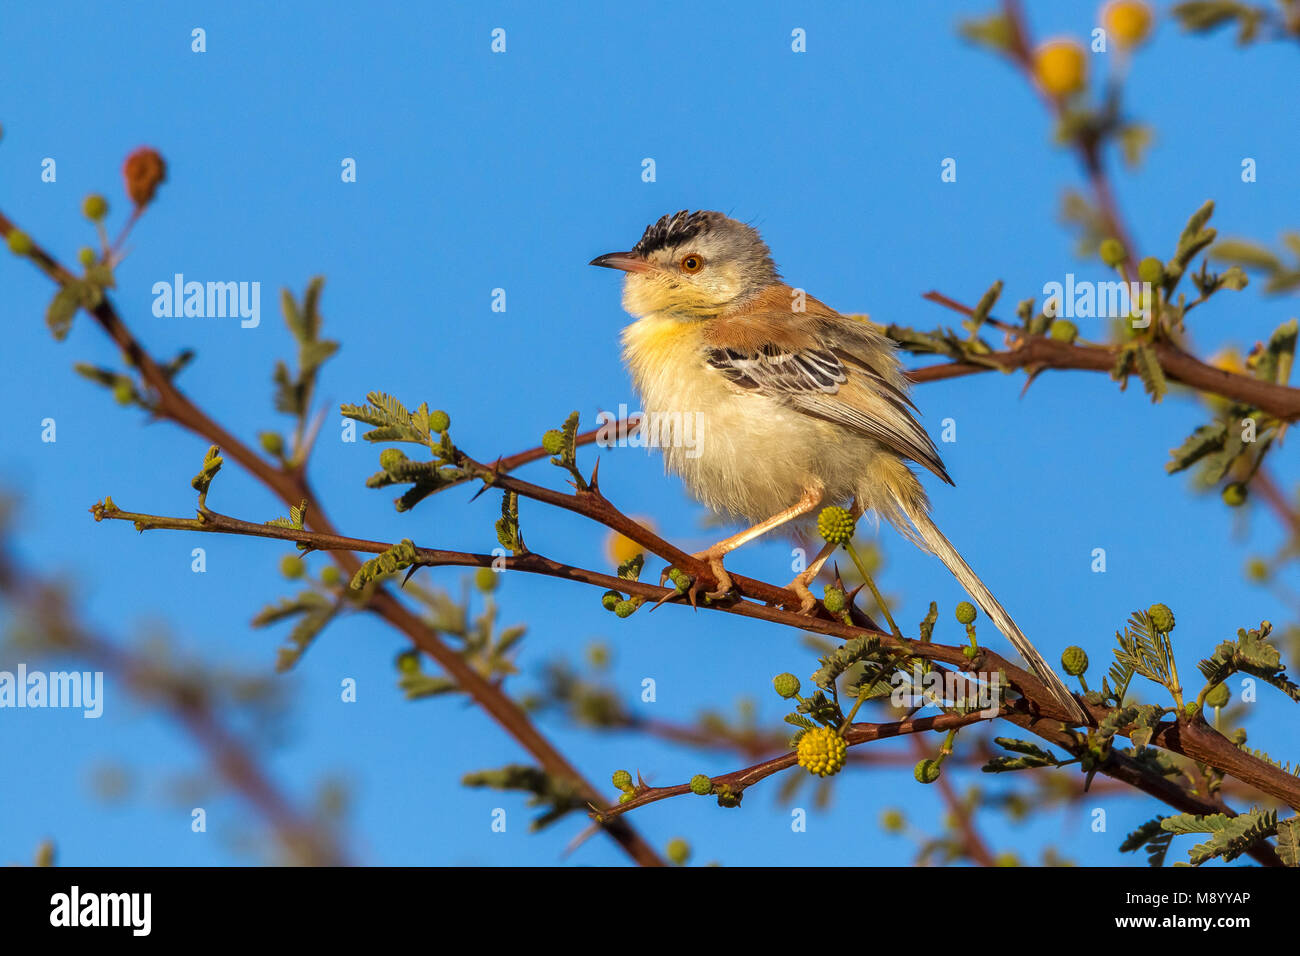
pixel 824 365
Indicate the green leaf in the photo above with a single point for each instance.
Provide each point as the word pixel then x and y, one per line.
pixel 63 307
pixel 1249 254
pixel 1232 836
pixel 1154 837
pixel 212 463
pixel 1205 439
pixel 1149 370
pixel 1288 841
pixel 297 514
pixel 399 557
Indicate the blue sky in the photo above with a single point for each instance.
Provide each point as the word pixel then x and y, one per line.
pixel 478 171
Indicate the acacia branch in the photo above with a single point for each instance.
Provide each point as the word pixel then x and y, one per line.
pixel 1037 712
pixel 1037 352
pixel 736 782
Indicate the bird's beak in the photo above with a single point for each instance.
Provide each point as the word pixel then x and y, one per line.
pixel 626 261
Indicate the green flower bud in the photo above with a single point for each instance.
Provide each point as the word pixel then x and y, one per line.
pixel 330 575
pixel 610 600
pixel 624 608
pixel 835 525
pixel 1063 330
pixel 553 442
pixel 1218 697
pixel 86 256
pixel 391 458
pixel 1112 252
pixel 1257 569
pixel 625 797
pixel 893 821
pixel 486 580
pixel 678 851
pixel 94 207
pixel 926 771
pixel 970 652
pixel 273 444
pixel 123 393
pixel 835 600
pixel 1151 270
pixel 439 420
pixel 1074 661
pixel 622 780
pixel 292 567
pixel 787 685
pixel 1161 617
pixel 408 662
pixel 701 785
pixel 20 244
pixel 1234 495
pixel 965 613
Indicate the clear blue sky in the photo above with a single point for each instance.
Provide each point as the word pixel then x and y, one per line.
pixel 477 171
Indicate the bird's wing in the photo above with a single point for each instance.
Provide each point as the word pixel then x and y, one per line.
pixel 827 366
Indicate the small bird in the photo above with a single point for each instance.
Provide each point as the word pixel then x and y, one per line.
pixel 769 403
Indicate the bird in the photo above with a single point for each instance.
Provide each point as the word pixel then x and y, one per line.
pixel 769 404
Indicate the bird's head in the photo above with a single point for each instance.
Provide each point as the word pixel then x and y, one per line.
pixel 693 265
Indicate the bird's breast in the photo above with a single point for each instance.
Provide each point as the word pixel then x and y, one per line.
pixel 739 452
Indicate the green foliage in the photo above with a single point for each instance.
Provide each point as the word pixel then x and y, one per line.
pixel 1144 650
pixel 78 293
pixel 293 391
pixel 1149 370
pixel 558 795
pixel 313 611
pixel 1288 841
pixel 1154 837
pixel 1232 836
pixel 983 308
pixel 1203 441
pixel 1194 237
pixel 400 556
pixel 394 423
pixel 1030 757
pixel 507 525
pixel 1201 16
pixel 201 482
pixel 1280 276
pixel 297 515
pixel 1250 653
pixel 566 457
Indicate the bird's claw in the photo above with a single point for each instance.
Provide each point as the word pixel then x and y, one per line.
pixel 714 560
pixel 807 601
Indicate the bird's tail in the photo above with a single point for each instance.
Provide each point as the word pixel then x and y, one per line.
pixel 946 553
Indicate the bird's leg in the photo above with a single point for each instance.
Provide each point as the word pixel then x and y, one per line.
pixel 809 500
pixel 802 581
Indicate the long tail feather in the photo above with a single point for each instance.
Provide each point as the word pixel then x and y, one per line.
pixel 946 553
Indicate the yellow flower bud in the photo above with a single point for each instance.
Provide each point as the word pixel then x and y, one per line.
pixel 1127 21
pixel 1061 67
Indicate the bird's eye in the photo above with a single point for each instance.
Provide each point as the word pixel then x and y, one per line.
pixel 692 263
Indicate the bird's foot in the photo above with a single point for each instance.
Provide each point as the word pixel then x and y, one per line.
pixel 713 558
pixel 807 601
